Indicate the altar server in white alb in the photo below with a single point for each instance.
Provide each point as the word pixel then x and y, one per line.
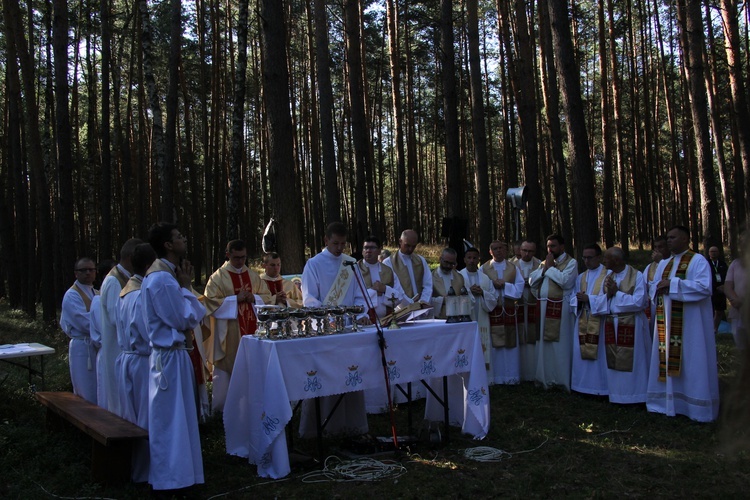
pixel 132 364
pixel 171 312
pixel 75 322
pixel 507 282
pixel 108 395
pixel 328 279
pixel 589 308
pixel 483 300
pixel 627 341
pixel 552 283
pixel 683 377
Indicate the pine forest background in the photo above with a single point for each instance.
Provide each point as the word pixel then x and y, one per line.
pixel 621 118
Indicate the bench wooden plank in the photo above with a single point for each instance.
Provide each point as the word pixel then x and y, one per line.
pixel 102 425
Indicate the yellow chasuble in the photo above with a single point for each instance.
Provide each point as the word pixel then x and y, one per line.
pixel 275 285
pixel 227 332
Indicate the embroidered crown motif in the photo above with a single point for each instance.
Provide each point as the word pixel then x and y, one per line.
pixel 391 363
pixel 353 368
pixel 461 351
pixel 312 372
pixel 427 357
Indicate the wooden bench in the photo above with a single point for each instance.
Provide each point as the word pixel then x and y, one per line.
pixel 112 436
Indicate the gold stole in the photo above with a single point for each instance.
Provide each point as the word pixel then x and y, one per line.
pixel 402 272
pixel 438 288
pixel 670 359
pixel 503 317
pixel 133 284
pixel 84 296
pixel 588 324
pixel 341 284
pixel 554 307
pixel 529 305
pixel 115 271
pixel 620 342
pixel 386 274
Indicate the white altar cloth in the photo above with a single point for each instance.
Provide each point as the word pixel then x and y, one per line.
pixel 269 374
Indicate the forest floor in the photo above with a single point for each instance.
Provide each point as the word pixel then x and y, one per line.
pixel 558 445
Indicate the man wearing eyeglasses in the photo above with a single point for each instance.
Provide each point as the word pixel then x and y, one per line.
pixel 75 322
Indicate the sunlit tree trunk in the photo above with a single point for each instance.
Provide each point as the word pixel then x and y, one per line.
pixel 585 220
pixel 479 133
pixel 691 23
pixel 286 202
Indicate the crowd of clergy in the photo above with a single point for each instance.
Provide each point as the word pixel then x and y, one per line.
pixel 144 346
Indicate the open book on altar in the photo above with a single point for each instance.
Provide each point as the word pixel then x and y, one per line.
pixel 408 313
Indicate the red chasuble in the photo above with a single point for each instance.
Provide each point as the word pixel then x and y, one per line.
pixel 246 319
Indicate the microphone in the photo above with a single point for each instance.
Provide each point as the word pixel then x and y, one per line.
pixel 350 263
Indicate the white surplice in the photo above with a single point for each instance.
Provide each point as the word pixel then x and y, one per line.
pixel 506 361
pixel 589 376
pixel 631 387
pixel 695 393
pixel 553 360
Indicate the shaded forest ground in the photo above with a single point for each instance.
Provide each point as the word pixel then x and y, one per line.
pixel 561 445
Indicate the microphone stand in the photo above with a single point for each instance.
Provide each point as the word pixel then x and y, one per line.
pixel 381 344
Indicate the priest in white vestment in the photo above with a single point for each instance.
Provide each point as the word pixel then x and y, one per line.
pixel 552 283
pixel 75 322
pixel 528 327
pixel 171 312
pixel 412 270
pixel 108 394
pixel 328 279
pixel 627 341
pixel 132 362
pixel 589 308
pixel 659 252
pixel 683 375
pixel 483 300
pixel 507 283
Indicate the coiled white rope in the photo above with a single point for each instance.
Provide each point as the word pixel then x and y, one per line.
pixel 489 454
pixel 361 469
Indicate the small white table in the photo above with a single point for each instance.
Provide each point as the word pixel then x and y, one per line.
pixel 267 375
pixel 10 352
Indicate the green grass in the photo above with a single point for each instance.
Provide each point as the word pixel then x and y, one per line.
pixel 561 445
